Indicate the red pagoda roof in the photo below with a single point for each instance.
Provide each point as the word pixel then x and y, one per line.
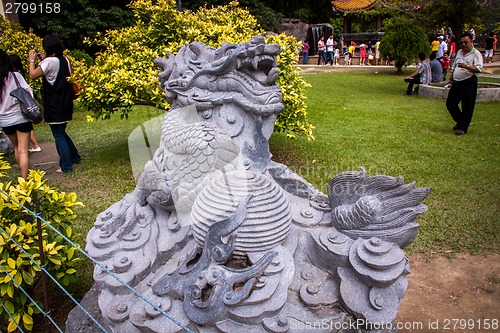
pixel 350 5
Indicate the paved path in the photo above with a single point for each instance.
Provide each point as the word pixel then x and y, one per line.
pixel 46 160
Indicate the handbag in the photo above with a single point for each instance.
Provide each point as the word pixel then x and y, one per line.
pixel 29 109
pixel 76 87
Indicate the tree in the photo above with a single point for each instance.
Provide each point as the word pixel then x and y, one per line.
pixel 124 74
pixel 456 14
pixel 73 20
pixel 453 13
pixel 403 40
pixel 267 18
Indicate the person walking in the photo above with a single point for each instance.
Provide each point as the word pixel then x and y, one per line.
pixel 336 56
pixel 442 48
pixel 57 98
pixel 445 65
pixel 17 65
pixel 329 49
pixel 321 51
pixel 305 52
pixel 347 57
pixel 362 54
pixel 352 49
pixel 468 63
pixel 13 124
pixel 435 45
pixel 377 53
pixel 453 49
pixel 488 53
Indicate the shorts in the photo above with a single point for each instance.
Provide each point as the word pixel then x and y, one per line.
pixel 23 128
pixel 488 53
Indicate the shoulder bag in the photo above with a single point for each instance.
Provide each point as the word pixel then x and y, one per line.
pixel 29 109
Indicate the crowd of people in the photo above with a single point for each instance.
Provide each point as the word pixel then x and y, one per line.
pixel 444 46
pixel 443 55
pixel 457 58
pixel 329 53
pixel 57 95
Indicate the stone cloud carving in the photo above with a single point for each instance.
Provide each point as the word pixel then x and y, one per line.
pixel 223 239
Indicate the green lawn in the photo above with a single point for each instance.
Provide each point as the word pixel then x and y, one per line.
pixel 361 119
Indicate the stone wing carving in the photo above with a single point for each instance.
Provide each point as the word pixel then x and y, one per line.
pixel 378 206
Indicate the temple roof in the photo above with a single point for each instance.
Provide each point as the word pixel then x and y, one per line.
pixel 350 5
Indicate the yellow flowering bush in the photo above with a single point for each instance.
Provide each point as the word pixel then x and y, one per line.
pixel 19 226
pixel 124 74
pixel 14 40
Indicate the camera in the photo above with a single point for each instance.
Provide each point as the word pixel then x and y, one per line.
pixel 38 56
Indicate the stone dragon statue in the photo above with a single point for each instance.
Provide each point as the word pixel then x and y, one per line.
pixel 223 239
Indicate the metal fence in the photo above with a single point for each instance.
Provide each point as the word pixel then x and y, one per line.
pixel 45 311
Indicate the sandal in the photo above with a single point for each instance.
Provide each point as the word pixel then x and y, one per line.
pixel 59 170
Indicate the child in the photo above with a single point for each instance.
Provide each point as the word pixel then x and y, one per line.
pixel 445 64
pixel 347 58
pixel 336 56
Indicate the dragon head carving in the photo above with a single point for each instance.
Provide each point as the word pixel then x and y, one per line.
pixel 249 71
pixel 233 89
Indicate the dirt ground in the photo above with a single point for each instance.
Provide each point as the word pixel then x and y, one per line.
pixel 458 293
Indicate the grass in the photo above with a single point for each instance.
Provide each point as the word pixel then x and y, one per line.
pixel 361 119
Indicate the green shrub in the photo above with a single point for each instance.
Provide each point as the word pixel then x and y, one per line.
pixel 60 258
pixel 403 40
pixel 80 55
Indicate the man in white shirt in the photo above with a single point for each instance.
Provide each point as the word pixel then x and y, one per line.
pixel 468 63
pixel 442 48
pixel 329 49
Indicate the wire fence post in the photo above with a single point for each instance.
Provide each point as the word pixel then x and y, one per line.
pixel 42 264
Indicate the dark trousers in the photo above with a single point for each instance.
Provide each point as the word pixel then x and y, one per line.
pixel 321 54
pixel 68 154
pixel 305 58
pixel 464 92
pixel 411 82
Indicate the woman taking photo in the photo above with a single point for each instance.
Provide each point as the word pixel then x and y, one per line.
pixel 57 98
pixel 12 121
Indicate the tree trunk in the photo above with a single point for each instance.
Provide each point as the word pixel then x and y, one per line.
pixel 399 67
